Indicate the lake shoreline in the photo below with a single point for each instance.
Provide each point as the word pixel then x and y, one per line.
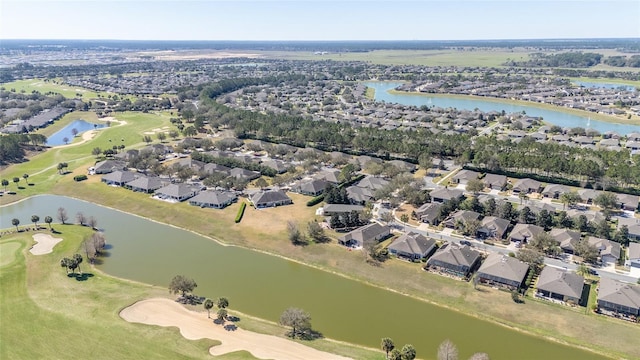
pixel 511 326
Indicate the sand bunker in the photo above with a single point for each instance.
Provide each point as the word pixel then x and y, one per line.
pixel 44 244
pixel 194 325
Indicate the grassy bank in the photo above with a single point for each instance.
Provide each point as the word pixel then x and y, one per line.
pixel 54 316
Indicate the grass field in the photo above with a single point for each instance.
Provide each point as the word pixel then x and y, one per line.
pixel 56 86
pixel 53 316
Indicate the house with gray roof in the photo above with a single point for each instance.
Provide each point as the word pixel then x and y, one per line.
pixel 628 202
pixel 108 166
pixel 464 176
pixel 340 209
pixel 609 250
pixel 619 297
pixel 311 187
pixel 119 178
pixel 460 217
pixel 588 195
pixel 359 195
pixel 195 165
pixel 176 192
pixel 495 182
pixel 244 174
pixel 428 213
pixel 403 165
pixel 278 165
pixel 554 191
pixel 524 232
pixel 634 255
pixel 372 182
pixel 212 168
pixel 502 271
pixel 526 186
pixel 361 235
pixel 567 239
pixel 213 199
pixel 445 194
pixel 329 175
pixel 270 198
pixel 493 227
pixel 633 227
pixel 145 184
pixel 412 246
pixel 454 260
pixel 560 285
pixel 592 216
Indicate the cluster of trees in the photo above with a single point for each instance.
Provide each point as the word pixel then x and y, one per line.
pixel 446 351
pixel 348 220
pixel 12 146
pixel 72 263
pixel 314 232
pixel 233 163
pixel 566 60
pixel 34 219
pixel 222 303
pixel 94 246
pixel 623 61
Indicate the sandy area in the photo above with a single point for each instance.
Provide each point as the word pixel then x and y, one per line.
pixel 44 244
pixel 194 325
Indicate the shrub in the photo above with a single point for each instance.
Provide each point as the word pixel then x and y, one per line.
pixel 316 200
pixel 241 212
pixel 80 177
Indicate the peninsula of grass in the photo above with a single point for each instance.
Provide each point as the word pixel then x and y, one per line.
pixel 604 335
pixel 49 315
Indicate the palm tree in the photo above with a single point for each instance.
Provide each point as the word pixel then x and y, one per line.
pixel 405 219
pixel 5 183
pixel 582 270
pixel 387 345
pixel 77 259
pixel 523 196
pixel 25 177
pixel 222 314
pixel 48 220
pixel 208 304
pixel 15 222
pixel 16 180
pixel 222 303
pixel 408 352
pixel 34 220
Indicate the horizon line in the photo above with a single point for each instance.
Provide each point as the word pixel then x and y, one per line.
pixel 325 40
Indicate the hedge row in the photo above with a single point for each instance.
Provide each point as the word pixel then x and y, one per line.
pixel 80 177
pixel 315 200
pixel 241 212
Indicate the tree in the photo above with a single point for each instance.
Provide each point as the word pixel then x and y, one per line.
pixel 523 196
pixel 16 180
pixel 93 222
pixel 208 304
pixel 544 219
pixel 475 186
pixel 408 352
pixel 96 151
pixel 583 270
pixel 221 314
pixel 161 136
pixel 80 218
pixel 62 215
pixel 395 354
pixel 261 183
pixel 173 134
pixel 387 345
pixel 569 198
pixel 26 177
pixel 15 222
pixel 62 166
pixel 182 284
pixel 586 251
pixel 66 140
pixel 531 256
pixel 316 232
pixel 77 258
pixel 425 161
pixel 405 219
pixel 606 200
pixel 48 220
pixel 298 319
pixel 34 220
pixel 74 132
pixel 295 235
pixel 89 249
pixel 447 351
pixel 479 356
pixel 347 173
pixel 5 183
pixel 222 303
pixel 147 139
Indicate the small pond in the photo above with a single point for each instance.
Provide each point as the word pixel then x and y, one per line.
pixel 81 126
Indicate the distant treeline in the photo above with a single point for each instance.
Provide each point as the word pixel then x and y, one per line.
pixel 623 61
pixel 568 59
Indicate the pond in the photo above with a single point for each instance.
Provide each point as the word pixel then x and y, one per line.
pixel 262 285
pixel 604 85
pixel 67 132
pixel 553 117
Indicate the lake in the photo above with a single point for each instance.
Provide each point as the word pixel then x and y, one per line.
pixel 262 285
pixel 67 132
pixel 604 85
pixel 550 116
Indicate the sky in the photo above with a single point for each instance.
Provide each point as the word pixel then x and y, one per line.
pixel 318 19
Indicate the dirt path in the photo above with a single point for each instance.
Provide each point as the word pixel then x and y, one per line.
pixel 194 325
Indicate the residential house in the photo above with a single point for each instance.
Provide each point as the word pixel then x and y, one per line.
pixel 560 285
pixel 566 239
pixel 176 192
pixel 592 216
pixel 270 198
pixel 493 227
pixel 278 165
pixel 372 183
pixel 628 202
pixel 526 186
pixel 403 165
pixel 634 255
pixel 460 217
pixel 524 232
pixel 213 168
pixel 445 194
pixel 244 174
pixel 554 191
pixel 412 246
pixel 145 184
pixel 428 213
pixel 619 297
pixel 588 195
pixel 359 195
pixel 194 165
pixel 454 260
pixel 502 271
pixel 464 176
pixel 108 166
pixel 329 175
pixel 609 250
pixel 311 187
pixel 340 209
pixel 213 199
pixel 495 182
pixel 364 234
pixel 119 178
pixel 633 227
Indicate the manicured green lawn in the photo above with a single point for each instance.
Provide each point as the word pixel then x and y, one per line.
pixel 44 87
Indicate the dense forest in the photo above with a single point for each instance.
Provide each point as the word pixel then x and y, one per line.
pixel 622 61
pixel 566 60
